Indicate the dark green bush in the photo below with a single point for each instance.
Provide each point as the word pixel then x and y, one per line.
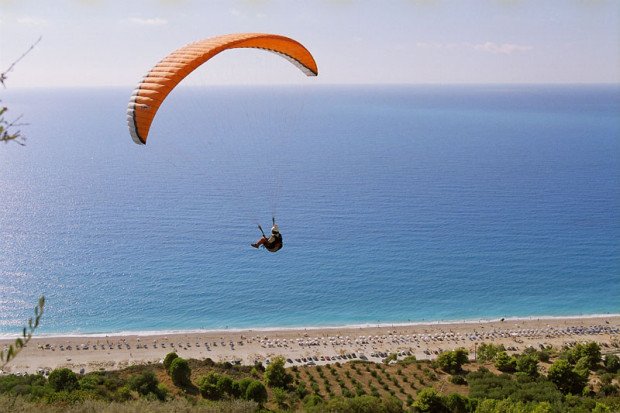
pixel 257 392
pixel 145 384
pixel 458 379
pixel 180 372
pixel 63 379
pixel 168 360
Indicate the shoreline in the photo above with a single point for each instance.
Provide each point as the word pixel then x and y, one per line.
pixel 399 324
pixel 320 345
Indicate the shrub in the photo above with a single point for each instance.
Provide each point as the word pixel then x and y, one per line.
pixel 612 363
pixel 145 384
pixel 301 390
pixel 457 403
pixel 409 400
pixel 591 351
pixel 452 361
pixel 505 363
pixel 566 378
pixel 408 360
pixel 240 387
pixel 123 394
pixel 487 352
pixel 63 379
pixel 276 375
pixel 528 364
pixel 180 372
pixel 429 400
pixel 280 397
pixel 256 391
pixel 168 360
pixel 91 381
pixel 207 385
pixel 609 390
pixel 390 358
pixel 312 400
pixel 458 379
pixel 225 385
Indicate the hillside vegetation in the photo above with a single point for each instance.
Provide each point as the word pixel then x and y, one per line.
pixel 575 379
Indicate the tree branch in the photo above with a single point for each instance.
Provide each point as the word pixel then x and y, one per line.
pixel 11 352
pixel 3 74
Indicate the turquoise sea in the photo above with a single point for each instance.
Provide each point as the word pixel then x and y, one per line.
pixel 397 204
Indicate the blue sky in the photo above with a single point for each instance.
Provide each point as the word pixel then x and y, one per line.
pixel 114 43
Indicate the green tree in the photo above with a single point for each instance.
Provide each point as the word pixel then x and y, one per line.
pixel 505 363
pixel 487 352
pixel 429 400
pixel 276 375
pixel 528 364
pixel 256 391
pixel 63 379
pixel 582 367
pixel 591 351
pixel 612 363
pixel 457 403
pixel 225 385
pixel 601 408
pixel 452 361
pixel 180 372
pixel 280 397
pixel 168 360
pixel 207 385
pixel 240 387
pixel 566 378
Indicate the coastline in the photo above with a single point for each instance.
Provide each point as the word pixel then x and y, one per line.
pixel 143 333
pixel 321 345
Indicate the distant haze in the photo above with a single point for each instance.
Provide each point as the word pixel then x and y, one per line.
pixel 102 43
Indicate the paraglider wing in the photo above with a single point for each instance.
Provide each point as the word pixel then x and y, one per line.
pixel 165 75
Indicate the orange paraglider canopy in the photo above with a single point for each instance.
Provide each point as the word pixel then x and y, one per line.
pixel 165 75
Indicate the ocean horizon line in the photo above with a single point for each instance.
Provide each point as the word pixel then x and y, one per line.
pixel 129 88
pixel 148 333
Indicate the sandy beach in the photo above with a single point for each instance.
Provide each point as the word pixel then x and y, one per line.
pixel 316 345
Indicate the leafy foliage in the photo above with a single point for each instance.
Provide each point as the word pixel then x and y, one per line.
pixel 146 384
pixel 612 363
pixel 208 386
pixel 357 391
pixel 276 375
pixel 528 364
pixel 487 352
pixel 452 361
pixel 430 401
pixel 567 378
pixel 486 385
pixel 63 379
pixel 168 360
pixel 590 351
pixel 505 363
pixel 180 372
pixel 257 392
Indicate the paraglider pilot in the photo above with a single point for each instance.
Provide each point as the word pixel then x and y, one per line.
pixel 274 242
